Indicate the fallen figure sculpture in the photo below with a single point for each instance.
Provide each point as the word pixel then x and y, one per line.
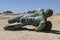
pixel 38 19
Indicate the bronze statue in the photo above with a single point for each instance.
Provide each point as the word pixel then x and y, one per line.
pixel 38 19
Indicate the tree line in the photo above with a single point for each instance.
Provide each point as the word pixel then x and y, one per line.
pixel 10 12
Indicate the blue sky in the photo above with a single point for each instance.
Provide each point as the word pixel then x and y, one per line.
pixel 26 5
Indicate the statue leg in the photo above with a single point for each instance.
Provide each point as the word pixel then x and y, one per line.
pixel 40 27
pixel 13 26
pixel 44 27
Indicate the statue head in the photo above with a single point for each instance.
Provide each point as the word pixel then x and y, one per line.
pixel 49 12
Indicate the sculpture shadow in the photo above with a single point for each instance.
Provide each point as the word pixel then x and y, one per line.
pixel 55 32
pixel 51 31
pixel 47 29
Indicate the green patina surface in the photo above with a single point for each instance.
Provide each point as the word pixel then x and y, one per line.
pixel 38 19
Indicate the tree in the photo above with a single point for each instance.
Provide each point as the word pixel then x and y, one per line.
pixel 31 11
pixel 8 12
pixel 0 13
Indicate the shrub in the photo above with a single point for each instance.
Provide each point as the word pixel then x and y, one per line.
pixel 8 12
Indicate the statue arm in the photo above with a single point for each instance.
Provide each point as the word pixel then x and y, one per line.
pixel 34 15
pixel 37 14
